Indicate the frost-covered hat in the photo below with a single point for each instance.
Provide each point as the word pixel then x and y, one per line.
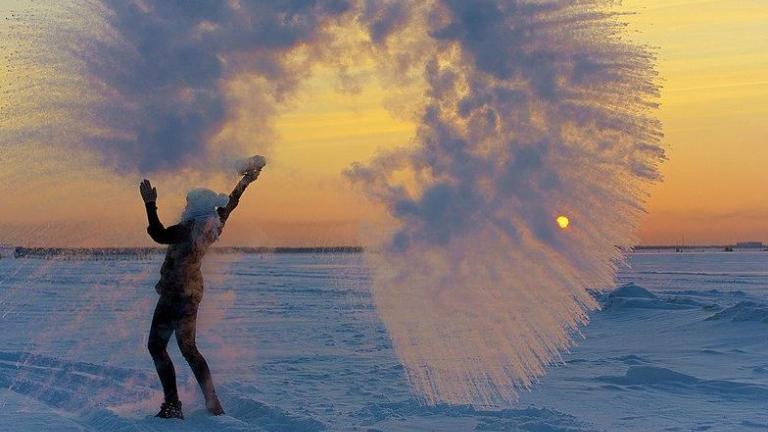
pixel 202 202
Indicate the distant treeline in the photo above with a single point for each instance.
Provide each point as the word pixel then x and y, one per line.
pixel 106 253
pixel 25 252
pixel 738 246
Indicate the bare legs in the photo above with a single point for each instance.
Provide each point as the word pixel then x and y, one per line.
pixel 180 316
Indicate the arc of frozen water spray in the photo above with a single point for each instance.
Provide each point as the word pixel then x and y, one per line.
pixel 535 109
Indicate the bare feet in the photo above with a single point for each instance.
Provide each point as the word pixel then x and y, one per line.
pixel 214 407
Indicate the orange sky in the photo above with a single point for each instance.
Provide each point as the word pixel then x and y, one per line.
pixel 714 62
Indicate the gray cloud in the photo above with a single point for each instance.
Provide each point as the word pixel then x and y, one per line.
pixel 161 71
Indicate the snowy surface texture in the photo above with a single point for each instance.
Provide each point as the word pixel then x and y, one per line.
pixel 295 345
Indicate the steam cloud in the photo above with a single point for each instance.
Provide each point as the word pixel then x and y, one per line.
pixel 166 67
pixel 533 109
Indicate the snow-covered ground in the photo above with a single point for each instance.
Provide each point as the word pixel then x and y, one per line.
pixel 295 345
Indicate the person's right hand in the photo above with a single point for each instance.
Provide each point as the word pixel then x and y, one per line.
pixel 252 175
pixel 148 193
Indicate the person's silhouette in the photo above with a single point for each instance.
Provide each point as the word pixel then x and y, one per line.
pixel 181 285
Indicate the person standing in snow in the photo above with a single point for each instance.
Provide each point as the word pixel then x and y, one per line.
pixel 181 285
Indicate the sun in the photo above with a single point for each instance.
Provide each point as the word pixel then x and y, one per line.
pixel 562 222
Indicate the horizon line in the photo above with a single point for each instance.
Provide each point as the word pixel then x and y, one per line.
pixel 44 251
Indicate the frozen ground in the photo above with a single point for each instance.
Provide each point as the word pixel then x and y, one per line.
pixel 295 346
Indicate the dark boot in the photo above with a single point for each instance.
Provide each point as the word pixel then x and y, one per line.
pixel 171 410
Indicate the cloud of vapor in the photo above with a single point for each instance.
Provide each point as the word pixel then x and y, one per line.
pixel 165 67
pixel 157 86
pixel 152 86
pixel 534 109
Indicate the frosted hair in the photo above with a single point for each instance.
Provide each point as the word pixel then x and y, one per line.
pixel 201 203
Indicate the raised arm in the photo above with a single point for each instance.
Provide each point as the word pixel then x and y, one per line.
pixel 237 192
pixel 155 229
